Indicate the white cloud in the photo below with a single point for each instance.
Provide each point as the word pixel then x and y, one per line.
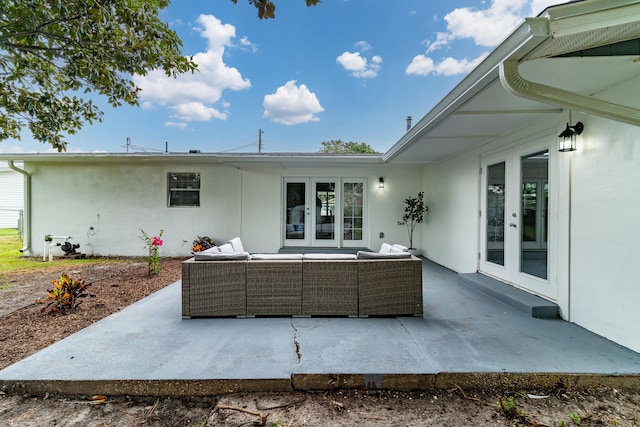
pixel 358 65
pixel 197 111
pixel 191 96
pixel 423 65
pixel 442 39
pixel 485 27
pixel 489 26
pixel 179 125
pixel 363 46
pixel 218 34
pixel 451 66
pixel 292 104
pixel 248 45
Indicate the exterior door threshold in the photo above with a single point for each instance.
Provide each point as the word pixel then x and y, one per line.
pixel 533 305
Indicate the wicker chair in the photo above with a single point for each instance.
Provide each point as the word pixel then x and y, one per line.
pixel 274 288
pixel 212 292
pixel 390 287
pixel 330 288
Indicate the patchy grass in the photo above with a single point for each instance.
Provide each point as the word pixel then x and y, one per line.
pixel 11 259
pixel 8 232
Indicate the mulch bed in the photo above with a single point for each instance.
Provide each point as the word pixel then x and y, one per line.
pixel 115 285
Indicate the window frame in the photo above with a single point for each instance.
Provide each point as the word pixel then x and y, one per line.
pixel 171 189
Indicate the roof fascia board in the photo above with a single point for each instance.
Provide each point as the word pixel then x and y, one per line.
pixel 579 17
pixel 301 160
pixel 229 159
pixel 522 40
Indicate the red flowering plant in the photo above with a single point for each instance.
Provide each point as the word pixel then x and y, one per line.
pixel 153 244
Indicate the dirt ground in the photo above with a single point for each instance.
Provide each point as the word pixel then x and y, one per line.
pixel 25 330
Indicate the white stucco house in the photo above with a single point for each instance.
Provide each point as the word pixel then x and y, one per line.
pixel 503 200
pixel 11 196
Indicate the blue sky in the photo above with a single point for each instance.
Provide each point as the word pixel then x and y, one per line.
pixel 345 69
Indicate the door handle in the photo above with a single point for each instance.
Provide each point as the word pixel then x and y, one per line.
pixel 513 224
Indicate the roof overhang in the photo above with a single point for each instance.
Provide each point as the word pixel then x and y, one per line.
pixel 240 160
pixel 481 109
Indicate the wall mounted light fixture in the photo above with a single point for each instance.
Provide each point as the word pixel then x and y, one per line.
pixel 381 183
pixel 567 138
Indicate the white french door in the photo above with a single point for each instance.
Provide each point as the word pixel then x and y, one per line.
pixel 324 212
pixel 519 207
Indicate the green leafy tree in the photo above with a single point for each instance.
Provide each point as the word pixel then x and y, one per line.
pixel 52 50
pixel 267 9
pixel 350 147
pixel 414 210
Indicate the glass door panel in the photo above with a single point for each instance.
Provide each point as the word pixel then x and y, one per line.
pixel 534 204
pixel 496 187
pixel 353 212
pixel 325 213
pixel 296 213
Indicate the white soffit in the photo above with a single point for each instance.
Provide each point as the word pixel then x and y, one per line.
pixel 586 75
pixel 492 112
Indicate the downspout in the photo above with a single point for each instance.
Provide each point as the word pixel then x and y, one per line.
pixel 513 82
pixel 26 223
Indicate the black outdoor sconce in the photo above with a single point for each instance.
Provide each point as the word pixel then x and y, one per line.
pixel 567 138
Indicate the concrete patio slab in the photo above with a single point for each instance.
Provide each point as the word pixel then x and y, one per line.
pixel 465 337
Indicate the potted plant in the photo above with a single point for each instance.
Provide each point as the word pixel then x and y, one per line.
pixel 414 210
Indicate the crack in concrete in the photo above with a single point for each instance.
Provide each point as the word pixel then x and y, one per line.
pixel 296 344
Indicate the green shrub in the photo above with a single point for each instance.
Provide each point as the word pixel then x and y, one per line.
pixel 65 295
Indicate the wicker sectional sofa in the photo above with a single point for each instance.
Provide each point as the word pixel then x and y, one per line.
pixel 367 284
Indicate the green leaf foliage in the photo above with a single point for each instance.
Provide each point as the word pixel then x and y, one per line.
pixel 65 295
pixel 267 9
pixel 51 51
pixel 350 147
pixel 414 210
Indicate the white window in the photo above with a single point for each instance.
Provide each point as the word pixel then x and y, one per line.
pixel 183 188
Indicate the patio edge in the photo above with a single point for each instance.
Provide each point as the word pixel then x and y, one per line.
pixel 466 380
pixel 175 388
pixel 316 382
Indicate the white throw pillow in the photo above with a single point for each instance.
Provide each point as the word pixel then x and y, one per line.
pixel 236 243
pixel 227 248
pixel 385 248
pixel 226 256
pixel 399 248
pixel 378 255
pixel 211 250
